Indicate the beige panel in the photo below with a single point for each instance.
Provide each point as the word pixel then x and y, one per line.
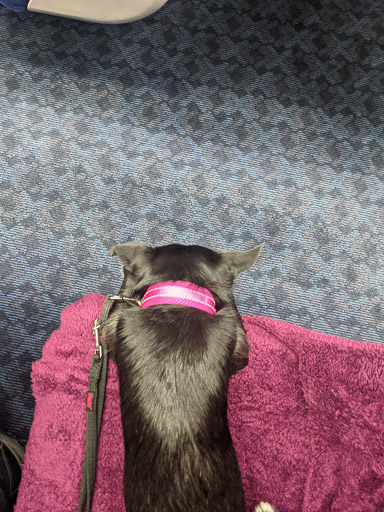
pixel 98 11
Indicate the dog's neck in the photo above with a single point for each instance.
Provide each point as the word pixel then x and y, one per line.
pixel 182 293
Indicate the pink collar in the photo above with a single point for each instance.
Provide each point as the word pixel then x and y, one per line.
pixel 179 292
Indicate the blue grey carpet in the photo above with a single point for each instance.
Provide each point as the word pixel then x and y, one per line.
pixel 215 123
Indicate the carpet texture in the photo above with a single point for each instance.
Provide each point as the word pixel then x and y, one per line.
pixel 217 123
pixel 306 417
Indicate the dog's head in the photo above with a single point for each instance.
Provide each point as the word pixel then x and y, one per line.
pixel 204 267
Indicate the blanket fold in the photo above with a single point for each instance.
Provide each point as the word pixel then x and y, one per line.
pixel 306 417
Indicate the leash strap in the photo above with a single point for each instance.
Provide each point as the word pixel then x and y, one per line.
pixel 95 404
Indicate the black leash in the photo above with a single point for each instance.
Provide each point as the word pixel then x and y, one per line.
pixel 95 404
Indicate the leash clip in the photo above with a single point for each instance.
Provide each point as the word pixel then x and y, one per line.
pixel 98 346
pixel 126 299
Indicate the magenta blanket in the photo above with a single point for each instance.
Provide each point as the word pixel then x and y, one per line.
pixel 306 416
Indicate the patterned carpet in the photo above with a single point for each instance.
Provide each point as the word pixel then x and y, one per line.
pixel 217 123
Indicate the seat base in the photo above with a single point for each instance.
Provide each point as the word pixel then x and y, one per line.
pixel 98 11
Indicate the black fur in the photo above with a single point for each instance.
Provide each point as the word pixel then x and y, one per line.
pixel 174 364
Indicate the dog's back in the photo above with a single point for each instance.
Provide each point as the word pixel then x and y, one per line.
pixel 174 365
pixel 174 371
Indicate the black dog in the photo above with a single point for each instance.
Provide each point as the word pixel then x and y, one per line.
pixel 174 364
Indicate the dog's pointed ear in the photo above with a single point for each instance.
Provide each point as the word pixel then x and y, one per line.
pixel 130 253
pixel 238 261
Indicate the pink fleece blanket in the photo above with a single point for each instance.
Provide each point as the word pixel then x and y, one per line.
pixel 306 416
